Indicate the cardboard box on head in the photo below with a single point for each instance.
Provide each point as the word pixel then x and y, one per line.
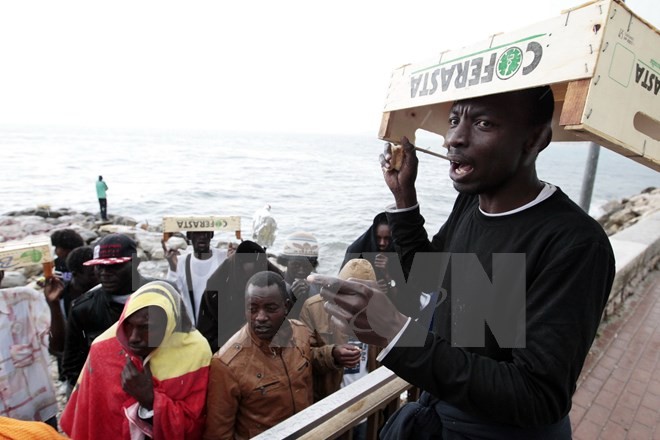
pixel 599 58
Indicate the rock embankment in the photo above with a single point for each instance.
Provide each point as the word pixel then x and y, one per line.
pixel 620 214
pixel 40 223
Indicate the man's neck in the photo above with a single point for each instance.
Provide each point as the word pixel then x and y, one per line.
pixel 503 201
pixel 203 255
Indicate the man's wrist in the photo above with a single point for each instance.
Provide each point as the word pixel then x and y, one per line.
pixel 333 352
pixel 399 321
pixel 404 201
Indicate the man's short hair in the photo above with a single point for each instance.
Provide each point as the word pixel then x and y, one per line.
pixel 267 278
pixel 249 247
pixel 541 103
pixel 75 260
pixel 66 239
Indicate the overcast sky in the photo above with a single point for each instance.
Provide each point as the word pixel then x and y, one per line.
pixel 289 66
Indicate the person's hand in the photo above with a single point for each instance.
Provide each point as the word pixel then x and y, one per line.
pixel 300 288
pixel 231 249
pixel 361 309
pixel 401 182
pixel 170 255
pixel 139 385
pixel 53 289
pixel 380 262
pixel 346 355
pixel 383 285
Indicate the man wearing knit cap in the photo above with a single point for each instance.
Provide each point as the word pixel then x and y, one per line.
pixel 300 256
pixel 99 308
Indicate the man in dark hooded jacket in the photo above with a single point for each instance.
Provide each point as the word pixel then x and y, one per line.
pixel 222 310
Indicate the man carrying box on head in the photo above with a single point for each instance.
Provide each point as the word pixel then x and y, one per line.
pixel 525 272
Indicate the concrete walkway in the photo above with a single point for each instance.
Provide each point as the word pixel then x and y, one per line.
pixel 618 394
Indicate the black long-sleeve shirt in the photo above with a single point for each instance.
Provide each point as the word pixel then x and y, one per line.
pixel 91 314
pixel 569 269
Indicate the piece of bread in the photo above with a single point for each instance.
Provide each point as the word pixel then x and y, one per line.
pixel 397 157
pixel 358 268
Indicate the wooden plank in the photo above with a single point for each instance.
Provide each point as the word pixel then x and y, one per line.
pixel 20 254
pixel 321 412
pixel 352 415
pixel 383 131
pixel 201 223
pixel 573 106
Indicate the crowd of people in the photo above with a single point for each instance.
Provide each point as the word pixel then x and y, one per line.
pixel 135 353
pixel 232 343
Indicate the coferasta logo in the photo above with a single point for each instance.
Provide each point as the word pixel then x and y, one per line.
pixel 503 62
pixel 509 63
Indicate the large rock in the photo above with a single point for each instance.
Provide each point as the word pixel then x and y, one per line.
pixel 118 229
pixel 178 243
pixel 32 270
pixel 34 225
pixel 153 269
pixel 628 211
pixel 150 243
pixel 124 220
pixel 87 235
pixel 10 232
pixel 13 279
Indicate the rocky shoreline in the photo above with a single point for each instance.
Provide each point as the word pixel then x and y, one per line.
pixel 40 222
pixel 620 214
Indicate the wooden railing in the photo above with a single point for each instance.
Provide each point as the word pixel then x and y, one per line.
pixel 376 396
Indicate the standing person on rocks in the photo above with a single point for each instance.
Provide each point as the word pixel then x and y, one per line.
pixel 146 376
pixel 191 272
pixel 26 390
pixel 99 308
pixel 101 188
pixel 526 274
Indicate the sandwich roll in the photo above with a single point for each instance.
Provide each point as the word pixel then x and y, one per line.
pixel 397 156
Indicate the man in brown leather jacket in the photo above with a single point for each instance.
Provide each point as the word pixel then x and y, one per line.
pixel 263 374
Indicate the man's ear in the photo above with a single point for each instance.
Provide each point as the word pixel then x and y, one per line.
pixel 539 138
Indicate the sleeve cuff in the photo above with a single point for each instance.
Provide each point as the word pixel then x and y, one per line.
pixel 392 343
pixel 392 209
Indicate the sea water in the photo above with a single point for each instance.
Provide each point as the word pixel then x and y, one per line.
pixel 329 185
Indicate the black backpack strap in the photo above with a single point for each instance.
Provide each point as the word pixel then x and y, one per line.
pixel 190 288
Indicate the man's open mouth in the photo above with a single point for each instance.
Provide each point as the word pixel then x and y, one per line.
pixel 460 168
